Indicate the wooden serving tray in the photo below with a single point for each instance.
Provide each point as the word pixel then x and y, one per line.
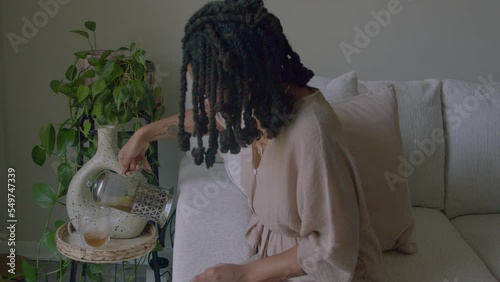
pixel 116 251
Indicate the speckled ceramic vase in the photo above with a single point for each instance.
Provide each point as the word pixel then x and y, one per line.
pixel 79 196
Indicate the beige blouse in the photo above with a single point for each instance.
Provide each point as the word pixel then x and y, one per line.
pixel 305 193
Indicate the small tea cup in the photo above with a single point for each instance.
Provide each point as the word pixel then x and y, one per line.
pixel 93 226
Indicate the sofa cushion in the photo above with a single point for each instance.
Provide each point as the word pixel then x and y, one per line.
pixel 482 233
pixel 211 220
pixel 338 88
pixel 442 256
pixel 421 125
pixel 472 125
pixel 370 124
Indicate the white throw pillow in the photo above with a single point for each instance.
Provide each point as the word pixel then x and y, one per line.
pixel 338 88
pixel 421 123
pixel 472 125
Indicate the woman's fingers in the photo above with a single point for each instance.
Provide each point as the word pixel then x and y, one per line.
pixel 123 163
pixel 146 164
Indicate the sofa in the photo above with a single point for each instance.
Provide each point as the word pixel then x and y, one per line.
pixel 453 182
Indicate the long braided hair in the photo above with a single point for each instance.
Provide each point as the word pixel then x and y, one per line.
pixel 241 61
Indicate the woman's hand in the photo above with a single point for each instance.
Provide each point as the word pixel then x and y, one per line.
pixel 132 155
pixel 223 273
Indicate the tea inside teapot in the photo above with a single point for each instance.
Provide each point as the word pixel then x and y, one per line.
pixel 132 196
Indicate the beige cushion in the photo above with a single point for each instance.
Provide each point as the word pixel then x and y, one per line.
pixel 443 256
pixel 472 123
pixel 421 123
pixel 370 123
pixel 482 233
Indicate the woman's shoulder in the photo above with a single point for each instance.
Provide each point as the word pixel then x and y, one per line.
pixel 313 127
pixel 314 115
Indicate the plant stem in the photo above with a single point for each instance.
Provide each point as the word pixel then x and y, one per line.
pixel 95 40
pixel 44 230
pixel 60 269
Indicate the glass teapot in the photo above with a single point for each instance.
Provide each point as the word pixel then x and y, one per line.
pixel 130 195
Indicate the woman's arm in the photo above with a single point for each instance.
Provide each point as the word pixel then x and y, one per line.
pixel 165 129
pixel 275 268
pixel 131 156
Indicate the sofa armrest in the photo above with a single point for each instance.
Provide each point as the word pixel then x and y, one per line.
pixel 211 220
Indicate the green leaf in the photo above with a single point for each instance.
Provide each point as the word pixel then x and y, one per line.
pixel 159 112
pixel 86 128
pixel 82 93
pixel 158 247
pixel 71 72
pixel 98 86
pixel 123 49
pixel 139 89
pixel 108 69
pixel 117 72
pixel 59 223
pixel 90 25
pixel 86 106
pixel 82 33
pixel 66 138
pixel 66 90
pixel 97 110
pixel 44 195
pixel 151 149
pixel 105 55
pixel 124 115
pixel 89 74
pixel 55 85
pixel 81 54
pixel 140 70
pixel 137 125
pixel 109 113
pixel 149 176
pixel 30 273
pixel 139 58
pixel 119 97
pixel 89 152
pixel 38 155
pixel 132 46
pixel 93 61
pixel 49 242
pixel 48 138
pixel 64 175
pixel 148 104
pixel 104 97
pixel 95 268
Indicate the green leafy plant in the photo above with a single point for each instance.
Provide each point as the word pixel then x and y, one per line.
pixel 107 87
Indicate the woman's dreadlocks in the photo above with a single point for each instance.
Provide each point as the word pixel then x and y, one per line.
pixel 241 59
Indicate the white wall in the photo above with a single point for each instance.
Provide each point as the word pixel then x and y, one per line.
pixel 441 39
pixel 3 131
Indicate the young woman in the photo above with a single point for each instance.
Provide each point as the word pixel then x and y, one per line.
pixel 309 217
